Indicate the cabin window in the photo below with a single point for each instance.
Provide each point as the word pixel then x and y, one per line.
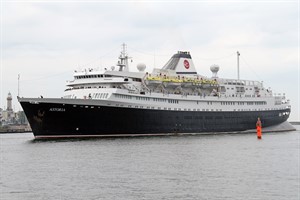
pixel 173 101
pixel 223 89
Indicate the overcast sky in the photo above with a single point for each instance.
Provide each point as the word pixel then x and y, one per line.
pixel 45 41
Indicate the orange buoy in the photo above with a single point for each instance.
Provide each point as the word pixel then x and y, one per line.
pixel 258 128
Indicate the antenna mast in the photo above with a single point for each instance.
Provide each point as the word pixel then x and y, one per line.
pixel 123 59
pixel 18 85
pixel 238 65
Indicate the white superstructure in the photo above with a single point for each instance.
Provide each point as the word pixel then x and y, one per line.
pixel 176 86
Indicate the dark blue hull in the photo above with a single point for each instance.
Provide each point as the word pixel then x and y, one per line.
pixel 69 120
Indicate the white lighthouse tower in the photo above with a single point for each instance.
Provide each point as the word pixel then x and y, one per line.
pixel 9 109
pixel 9 102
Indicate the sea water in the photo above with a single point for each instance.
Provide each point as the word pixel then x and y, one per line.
pixel 227 166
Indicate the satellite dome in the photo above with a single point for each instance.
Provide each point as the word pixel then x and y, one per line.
pixel 141 67
pixel 214 69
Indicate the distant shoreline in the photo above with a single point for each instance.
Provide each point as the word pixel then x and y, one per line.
pixel 295 123
pixel 15 128
pixel 13 131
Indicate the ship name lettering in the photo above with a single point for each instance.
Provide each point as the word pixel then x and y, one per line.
pixel 57 109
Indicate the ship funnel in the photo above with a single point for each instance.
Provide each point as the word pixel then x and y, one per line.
pixel 182 63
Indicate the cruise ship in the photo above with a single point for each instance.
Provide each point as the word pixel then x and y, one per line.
pixel 171 100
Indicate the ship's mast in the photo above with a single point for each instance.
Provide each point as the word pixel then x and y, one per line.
pixel 238 65
pixel 123 59
pixel 18 85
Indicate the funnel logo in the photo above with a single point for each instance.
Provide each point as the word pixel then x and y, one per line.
pixel 186 64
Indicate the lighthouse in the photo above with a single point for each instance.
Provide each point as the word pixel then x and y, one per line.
pixel 9 100
pixel 9 110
